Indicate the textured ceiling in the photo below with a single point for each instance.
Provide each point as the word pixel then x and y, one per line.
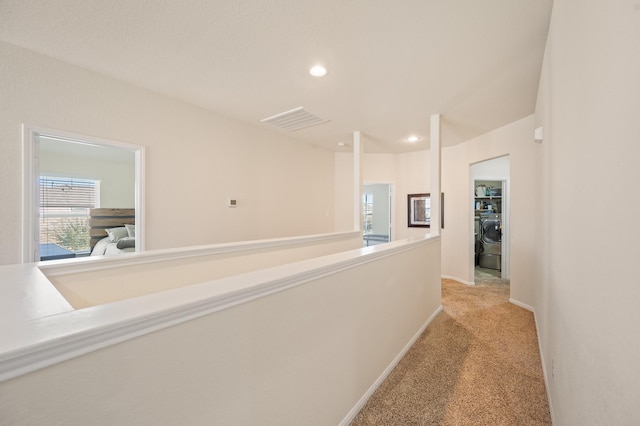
pixel 391 63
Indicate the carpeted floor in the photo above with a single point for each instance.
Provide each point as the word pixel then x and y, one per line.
pixel 477 363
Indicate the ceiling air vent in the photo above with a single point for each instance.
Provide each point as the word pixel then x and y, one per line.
pixel 293 120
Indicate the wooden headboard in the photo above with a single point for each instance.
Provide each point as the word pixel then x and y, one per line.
pixel 101 219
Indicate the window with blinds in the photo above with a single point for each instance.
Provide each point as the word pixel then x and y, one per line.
pixel 64 211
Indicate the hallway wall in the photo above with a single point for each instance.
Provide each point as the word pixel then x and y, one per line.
pixel 515 140
pixel 587 301
pixel 196 160
pixel 410 172
pixel 303 343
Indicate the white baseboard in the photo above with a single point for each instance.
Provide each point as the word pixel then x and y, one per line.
pixel 524 306
pixel 544 368
pixel 447 277
pixel 356 409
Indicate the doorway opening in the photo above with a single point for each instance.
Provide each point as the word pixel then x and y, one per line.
pixel 377 214
pixel 490 212
pixel 65 177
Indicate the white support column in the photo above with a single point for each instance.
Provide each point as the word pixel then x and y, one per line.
pixel 435 156
pixel 358 152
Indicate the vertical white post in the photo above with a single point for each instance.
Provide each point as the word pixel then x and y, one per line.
pixel 358 152
pixel 30 195
pixel 140 204
pixel 435 154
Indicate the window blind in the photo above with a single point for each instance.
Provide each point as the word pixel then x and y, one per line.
pixel 64 211
pixel 65 193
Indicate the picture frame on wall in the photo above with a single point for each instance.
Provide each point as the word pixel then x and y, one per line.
pixel 419 210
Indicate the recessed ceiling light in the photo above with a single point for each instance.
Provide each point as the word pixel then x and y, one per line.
pixel 341 144
pixel 413 138
pixel 318 71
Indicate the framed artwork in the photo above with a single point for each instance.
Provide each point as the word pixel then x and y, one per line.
pixel 419 210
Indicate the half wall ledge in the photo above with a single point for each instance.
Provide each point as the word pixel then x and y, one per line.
pixel 369 300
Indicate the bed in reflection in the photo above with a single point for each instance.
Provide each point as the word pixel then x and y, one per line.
pixel 112 231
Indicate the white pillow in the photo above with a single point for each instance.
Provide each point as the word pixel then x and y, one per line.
pixel 116 233
pixel 131 230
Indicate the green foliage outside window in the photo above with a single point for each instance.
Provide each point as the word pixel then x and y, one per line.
pixel 73 234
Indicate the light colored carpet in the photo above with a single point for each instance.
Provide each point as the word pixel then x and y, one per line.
pixel 477 363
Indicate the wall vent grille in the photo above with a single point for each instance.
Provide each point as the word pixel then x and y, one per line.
pixel 295 119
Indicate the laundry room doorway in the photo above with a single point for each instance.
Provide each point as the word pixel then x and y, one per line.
pixel 490 213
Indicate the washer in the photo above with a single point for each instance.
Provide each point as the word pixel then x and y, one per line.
pixel 476 239
pixel 491 238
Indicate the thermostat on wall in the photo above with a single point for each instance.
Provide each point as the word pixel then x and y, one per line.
pixel 537 135
pixel 232 203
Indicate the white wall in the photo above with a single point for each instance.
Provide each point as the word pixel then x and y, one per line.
pixel 414 177
pixel 117 178
pixel 306 355
pixel 410 173
pixel 494 169
pixel 587 302
pixel 196 160
pixel 343 191
pixel 516 141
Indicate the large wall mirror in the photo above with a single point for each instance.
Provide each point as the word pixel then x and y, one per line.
pixel 77 188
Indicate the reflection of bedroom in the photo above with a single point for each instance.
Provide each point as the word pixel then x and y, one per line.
pixel 75 178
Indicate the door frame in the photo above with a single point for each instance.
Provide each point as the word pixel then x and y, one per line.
pixel 392 206
pixel 30 188
pixel 505 255
pixel 505 217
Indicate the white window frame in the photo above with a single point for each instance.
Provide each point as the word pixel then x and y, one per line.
pixel 30 185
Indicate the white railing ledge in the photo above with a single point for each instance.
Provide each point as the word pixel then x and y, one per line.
pixel 37 343
pixel 95 263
